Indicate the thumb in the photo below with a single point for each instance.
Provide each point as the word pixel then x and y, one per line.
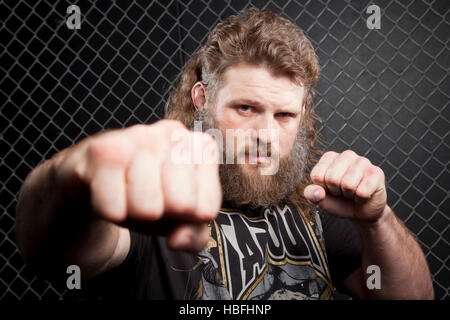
pixel 338 206
pixel 314 193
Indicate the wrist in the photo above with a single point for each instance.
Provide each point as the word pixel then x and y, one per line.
pixel 380 223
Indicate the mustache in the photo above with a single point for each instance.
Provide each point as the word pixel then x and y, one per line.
pixel 259 149
pixel 240 187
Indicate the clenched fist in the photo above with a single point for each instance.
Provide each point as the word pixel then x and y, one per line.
pixel 134 178
pixel 348 186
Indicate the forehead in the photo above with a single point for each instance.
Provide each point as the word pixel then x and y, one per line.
pixel 249 82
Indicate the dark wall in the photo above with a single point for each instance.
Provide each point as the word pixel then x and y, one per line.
pixel 383 93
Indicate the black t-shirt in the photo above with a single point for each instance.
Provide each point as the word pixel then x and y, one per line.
pixel 253 253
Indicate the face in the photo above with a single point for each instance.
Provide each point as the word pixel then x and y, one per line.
pixel 266 111
pixel 253 100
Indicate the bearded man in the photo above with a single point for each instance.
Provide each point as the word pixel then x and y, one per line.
pixel 242 208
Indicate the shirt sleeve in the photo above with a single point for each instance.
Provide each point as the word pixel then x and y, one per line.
pixel 343 247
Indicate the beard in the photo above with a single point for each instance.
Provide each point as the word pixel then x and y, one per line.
pixel 243 184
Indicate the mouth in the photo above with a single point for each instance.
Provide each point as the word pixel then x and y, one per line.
pixel 255 159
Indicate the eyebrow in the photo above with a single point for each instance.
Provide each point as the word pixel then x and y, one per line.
pixel 255 103
pixel 246 101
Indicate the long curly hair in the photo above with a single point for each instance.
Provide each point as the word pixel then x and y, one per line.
pixel 257 37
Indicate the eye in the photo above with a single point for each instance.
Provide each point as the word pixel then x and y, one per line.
pixel 244 108
pixel 285 115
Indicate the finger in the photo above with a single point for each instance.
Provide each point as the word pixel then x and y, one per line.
pixel 189 237
pixel 144 189
pixel 372 182
pixel 107 157
pixel 338 206
pixel 108 192
pixel 318 172
pixel 353 176
pixel 209 190
pixel 335 171
pixel 178 182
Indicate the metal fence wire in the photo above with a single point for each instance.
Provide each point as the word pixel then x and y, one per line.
pixel 383 93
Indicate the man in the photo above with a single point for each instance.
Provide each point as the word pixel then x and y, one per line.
pixel 144 217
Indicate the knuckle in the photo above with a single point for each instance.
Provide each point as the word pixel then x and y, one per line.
pixel 181 206
pixel 171 124
pixel 108 150
pixel 348 185
pixel 210 199
pixel 316 174
pixel 118 214
pixel 379 170
pixel 98 149
pixel 374 170
pixel 349 153
pixel 166 132
pixel 70 168
pixel 363 194
pixel 79 171
pixel 364 161
pixel 152 212
pixel 330 154
pixel 141 135
pixel 113 212
pixel 208 213
pixel 156 208
pixel 210 146
pixel 149 210
pixel 175 134
pixel 207 138
pixel 139 129
pixel 332 180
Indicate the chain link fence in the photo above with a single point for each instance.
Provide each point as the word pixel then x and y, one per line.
pixel 383 93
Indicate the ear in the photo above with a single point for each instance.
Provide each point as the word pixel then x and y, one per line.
pixel 198 94
pixel 304 101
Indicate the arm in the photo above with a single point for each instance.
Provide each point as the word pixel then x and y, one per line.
pixel 404 270
pixel 75 208
pixel 349 186
pixel 55 227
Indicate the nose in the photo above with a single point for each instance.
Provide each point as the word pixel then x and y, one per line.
pixel 266 129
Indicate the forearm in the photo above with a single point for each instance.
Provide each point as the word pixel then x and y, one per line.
pixel 54 228
pixel 404 270
pixel 36 209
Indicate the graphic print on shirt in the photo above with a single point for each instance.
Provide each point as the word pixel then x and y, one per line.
pixel 274 255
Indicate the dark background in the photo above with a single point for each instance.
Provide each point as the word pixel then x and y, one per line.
pixel 383 93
